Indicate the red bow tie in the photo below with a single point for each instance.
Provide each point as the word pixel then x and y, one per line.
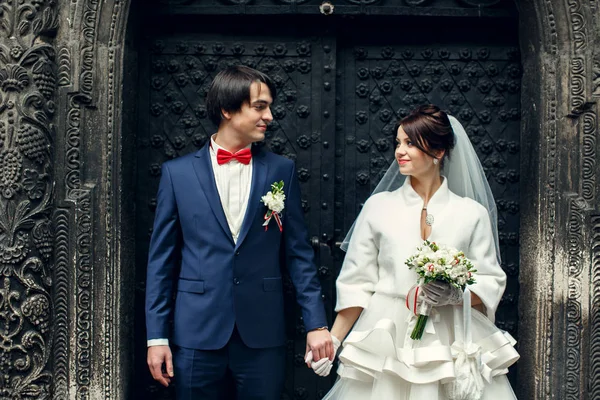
pixel 243 156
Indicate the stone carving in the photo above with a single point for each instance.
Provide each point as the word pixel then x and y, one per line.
pixel 579 278
pixel 88 50
pixel 28 82
pixel 64 67
pixel 83 290
pixel 578 30
pixel 596 77
pixel 111 310
pixel 578 84
pixel 594 322
pixel 573 346
pixel 62 284
pixel 550 19
pixel 589 164
pixel 544 389
pixel 73 350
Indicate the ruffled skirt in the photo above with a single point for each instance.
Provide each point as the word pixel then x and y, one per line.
pixel 379 361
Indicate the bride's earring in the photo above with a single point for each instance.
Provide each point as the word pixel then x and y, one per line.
pixel 435 161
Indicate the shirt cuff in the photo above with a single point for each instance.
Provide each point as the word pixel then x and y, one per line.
pixel 158 342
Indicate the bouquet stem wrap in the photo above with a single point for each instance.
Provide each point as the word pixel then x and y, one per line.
pixel 421 309
pixel 424 311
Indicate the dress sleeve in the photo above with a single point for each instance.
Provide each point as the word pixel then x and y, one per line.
pixel 490 278
pixel 359 275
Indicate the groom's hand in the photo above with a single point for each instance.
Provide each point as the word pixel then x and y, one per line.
pixel 324 365
pixel 319 342
pixel 157 357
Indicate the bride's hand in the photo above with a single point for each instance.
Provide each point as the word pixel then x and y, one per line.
pixel 438 293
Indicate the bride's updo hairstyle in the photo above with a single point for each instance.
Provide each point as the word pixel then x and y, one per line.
pixel 429 130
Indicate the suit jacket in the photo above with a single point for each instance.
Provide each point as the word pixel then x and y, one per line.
pixel 218 283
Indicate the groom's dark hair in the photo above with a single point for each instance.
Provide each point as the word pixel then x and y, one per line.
pixel 231 88
pixel 429 129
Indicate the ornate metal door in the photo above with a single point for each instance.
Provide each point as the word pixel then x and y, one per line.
pixel 339 96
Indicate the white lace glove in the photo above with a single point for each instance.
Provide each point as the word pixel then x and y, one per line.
pixel 439 293
pixel 324 365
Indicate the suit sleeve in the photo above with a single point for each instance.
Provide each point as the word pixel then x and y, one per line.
pixel 490 279
pixel 162 259
pixel 360 271
pixel 299 258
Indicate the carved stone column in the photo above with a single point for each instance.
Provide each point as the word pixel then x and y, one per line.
pixel 92 289
pixel 560 269
pixel 27 109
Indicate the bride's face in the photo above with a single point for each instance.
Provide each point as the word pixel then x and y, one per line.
pixel 410 158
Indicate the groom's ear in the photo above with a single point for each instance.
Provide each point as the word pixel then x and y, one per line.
pixel 225 114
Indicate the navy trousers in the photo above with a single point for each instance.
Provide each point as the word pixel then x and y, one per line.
pixel 257 374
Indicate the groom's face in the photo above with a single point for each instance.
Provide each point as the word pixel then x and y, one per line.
pixel 249 124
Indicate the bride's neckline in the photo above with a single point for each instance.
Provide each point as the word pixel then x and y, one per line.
pixel 412 198
pixel 433 209
pixel 433 192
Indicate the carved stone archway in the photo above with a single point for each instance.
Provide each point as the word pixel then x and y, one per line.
pixel 67 74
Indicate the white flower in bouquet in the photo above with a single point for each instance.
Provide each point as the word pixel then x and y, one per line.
pixel 433 262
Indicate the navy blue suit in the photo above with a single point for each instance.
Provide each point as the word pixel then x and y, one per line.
pixel 226 290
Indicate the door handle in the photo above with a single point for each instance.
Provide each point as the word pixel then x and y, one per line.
pixel 319 245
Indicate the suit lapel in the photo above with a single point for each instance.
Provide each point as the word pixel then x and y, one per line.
pixel 206 176
pixel 259 177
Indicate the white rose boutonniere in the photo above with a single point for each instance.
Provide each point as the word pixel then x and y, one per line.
pixel 274 200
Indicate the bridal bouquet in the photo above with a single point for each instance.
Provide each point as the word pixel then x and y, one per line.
pixel 437 262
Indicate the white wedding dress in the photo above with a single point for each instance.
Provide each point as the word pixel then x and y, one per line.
pixel 379 361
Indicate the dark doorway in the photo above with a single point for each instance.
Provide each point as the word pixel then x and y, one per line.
pixel 342 84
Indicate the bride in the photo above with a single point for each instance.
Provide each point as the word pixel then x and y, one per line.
pixel 435 190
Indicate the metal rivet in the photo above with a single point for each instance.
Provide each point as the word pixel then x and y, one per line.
pixel 326 8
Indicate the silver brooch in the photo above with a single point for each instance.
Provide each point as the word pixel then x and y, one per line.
pixel 429 219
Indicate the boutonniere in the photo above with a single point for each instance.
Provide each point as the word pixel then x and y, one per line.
pixel 274 201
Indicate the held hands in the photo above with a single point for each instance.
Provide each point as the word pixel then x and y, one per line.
pixel 439 293
pixel 323 366
pixel 318 343
pixel 157 357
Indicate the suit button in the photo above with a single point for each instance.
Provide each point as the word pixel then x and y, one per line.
pixel 236 281
pixel 237 253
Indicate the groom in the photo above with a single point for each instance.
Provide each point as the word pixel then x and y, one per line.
pixel 209 245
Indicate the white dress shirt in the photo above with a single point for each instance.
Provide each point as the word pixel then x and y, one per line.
pixel 233 184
